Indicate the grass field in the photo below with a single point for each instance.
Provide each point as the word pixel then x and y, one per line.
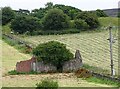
pixel 9 58
pixel 94 46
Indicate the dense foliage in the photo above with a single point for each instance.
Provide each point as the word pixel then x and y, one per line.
pixel 53 52
pixel 90 18
pixel 51 19
pixel 81 24
pixel 100 13
pixel 47 84
pixel 55 19
pixel 22 24
pixel 69 10
pixel 7 15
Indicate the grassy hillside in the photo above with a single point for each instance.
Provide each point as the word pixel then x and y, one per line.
pixel 11 56
pixel 94 46
pixel 106 21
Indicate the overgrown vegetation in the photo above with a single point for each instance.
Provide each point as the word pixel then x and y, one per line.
pixel 25 24
pixel 15 43
pixel 7 15
pixel 90 18
pixel 47 84
pixel 103 81
pixel 55 19
pixel 53 52
pixel 51 18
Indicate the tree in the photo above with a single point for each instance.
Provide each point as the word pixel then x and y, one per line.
pixel 7 15
pixel 49 5
pixel 39 13
pixel 22 24
pixel 100 13
pixel 90 18
pixel 81 24
pixel 53 52
pixel 55 19
pixel 68 10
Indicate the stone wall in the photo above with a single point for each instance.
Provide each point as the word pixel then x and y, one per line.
pixel 73 64
pixel 42 67
pixel 33 65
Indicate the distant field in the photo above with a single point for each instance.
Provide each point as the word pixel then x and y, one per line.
pixel 106 21
pixel 9 58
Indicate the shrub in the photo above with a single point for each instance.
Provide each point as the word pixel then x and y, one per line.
pixel 47 84
pixel 7 15
pixel 101 13
pixel 50 32
pixel 22 24
pixel 53 52
pixel 81 24
pixel 55 19
pixel 90 18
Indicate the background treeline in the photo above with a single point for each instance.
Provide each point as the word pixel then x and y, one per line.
pixel 51 19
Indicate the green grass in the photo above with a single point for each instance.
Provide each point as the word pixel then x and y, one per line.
pixel 103 81
pixel 15 43
pixel 10 56
pixel 106 21
pixel 94 46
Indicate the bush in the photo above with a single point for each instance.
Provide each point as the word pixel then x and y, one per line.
pixel 50 32
pixel 22 24
pixel 81 24
pixel 90 18
pixel 53 52
pixel 101 13
pixel 55 19
pixel 47 84
pixel 7 15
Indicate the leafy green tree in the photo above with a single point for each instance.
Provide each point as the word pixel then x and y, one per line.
pixel 53 52
pixel 7 15
pixel 90 18
pixel 55 19
pixel 39 13
pixel 100 13
pixel 69 10
pixel 81 24
pixel 22 24
pixel 49 5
